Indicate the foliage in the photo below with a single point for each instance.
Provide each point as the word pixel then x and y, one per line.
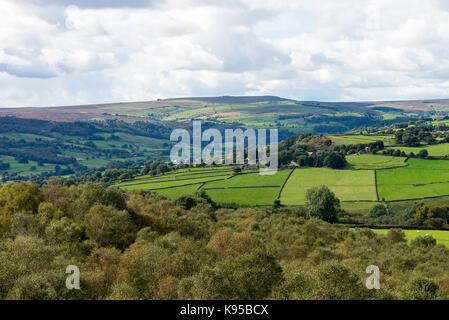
pixel 321 203
pixel 420 288
pixel 377 211
pixel 334 161
pixel 192 200
pixel 108 226
pixel 430 214
pixel 424 242
pixel 141 245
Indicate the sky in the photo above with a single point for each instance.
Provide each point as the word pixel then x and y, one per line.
pixel 71 52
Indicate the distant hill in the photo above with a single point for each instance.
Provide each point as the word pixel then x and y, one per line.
pixel 248 111
pixel 235 99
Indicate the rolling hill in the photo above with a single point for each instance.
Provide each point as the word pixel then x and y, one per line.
pixel 249 111
pixel 67 139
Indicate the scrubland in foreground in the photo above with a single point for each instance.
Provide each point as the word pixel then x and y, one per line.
pixel 141 245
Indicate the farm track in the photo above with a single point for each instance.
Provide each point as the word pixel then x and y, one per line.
pixel 201 185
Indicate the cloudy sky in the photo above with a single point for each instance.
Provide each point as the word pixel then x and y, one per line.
pixel 67 52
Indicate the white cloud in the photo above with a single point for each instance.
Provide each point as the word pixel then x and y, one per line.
pixel 71 52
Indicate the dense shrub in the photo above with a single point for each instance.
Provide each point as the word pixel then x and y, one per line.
pixel 321 203
pixel 378 210
pixel 141 245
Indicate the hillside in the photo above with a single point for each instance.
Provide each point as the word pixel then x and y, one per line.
pixel 41 142
pixel 250 111
pixel 31 148
pixel 117 199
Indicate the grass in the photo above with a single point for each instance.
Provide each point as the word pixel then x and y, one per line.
pixel 168 184
pixel 346 184
pixel 250 196
pixel 421 178
pixel 358 207
pixel 440 236
pixel 391 116
pixel 412 191
pixel 370 161
pixel 184 176
pixel 173 184
pixel 181 173
pixel 357 139
pixel 143 147
pixel 435 150
pixel 174 193
pixel 251 179
pixel 24 169
pixel 25 136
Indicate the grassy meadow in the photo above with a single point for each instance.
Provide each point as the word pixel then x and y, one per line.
pixel 434 150
pixel 342 182
pixel 356 139
pixel 421 178
pixel 250 180
pixel 440 236
pixel 170 183
pixel 370 161
pixel 247 196
pixel 416 178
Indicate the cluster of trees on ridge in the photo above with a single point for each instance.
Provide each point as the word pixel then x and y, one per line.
pixel 141 245
pixel 311 151
pixel 319 151
pixel 413 136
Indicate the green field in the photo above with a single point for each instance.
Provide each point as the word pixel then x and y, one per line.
pixel 88 151
pixel 362 208
pixel 421 178
pixel 248 196
pixel 440 236
pixel 417 178
pixel 173 184
pixel 248 189
pixel 174 193
pixel 178 177
pixel 250 180
pixel 370 161
pixel 357 139
pixel 182 174
pixel 346 184
pixel 154 185
pixel 435 150
pixel 27 169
